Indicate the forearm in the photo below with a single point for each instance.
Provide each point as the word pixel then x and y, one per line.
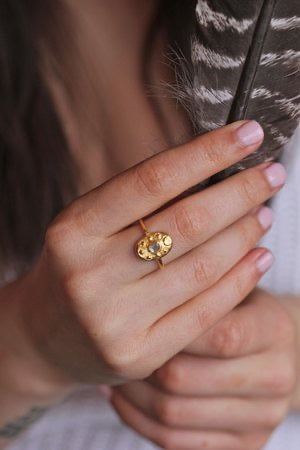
pixel 28 387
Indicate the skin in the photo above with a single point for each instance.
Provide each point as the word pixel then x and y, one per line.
pixel 67 302
pixel 78 255
pixel 229 389
pixel 60 312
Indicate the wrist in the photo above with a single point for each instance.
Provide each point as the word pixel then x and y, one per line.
pixel 24 372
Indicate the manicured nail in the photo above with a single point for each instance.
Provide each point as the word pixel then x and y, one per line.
pixel 105 390
pixel 265 217
pixel 264 262
pixel 250 133
pixel 276 174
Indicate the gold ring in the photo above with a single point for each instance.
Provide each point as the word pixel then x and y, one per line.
pixel 154 245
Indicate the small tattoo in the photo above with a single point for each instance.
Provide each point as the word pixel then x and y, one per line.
pixel 12 429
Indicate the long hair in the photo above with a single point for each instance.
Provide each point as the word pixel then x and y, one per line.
pixel 38 173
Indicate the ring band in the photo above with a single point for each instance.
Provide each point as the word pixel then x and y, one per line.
pixel 154 245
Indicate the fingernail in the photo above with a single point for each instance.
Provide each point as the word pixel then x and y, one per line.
pixel 264 262
pixel 105 390
pixel 250 133
pixel 265 217
pixel 276 174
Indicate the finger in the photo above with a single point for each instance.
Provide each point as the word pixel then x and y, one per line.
pixel 250 328
pixel 197 315
pixel 194 219
pixel 195 413
pixel 148 185
pixel 168 437
pixel 195 271
pixel 263 375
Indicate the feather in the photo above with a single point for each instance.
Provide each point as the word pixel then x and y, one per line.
pixel 241 60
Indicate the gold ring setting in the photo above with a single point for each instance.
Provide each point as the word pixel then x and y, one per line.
pixel 154 245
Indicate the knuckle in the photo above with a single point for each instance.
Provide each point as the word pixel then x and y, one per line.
pixel 190 223
pixel 81 217
pixel 211 150
pixel 152 178
pixel 165 410
pixel 245 233
pixel 204 317
pixel 250 231
pixel 229 339
pixel 125 361
pixel 255 186
pixel 119 363
pixel 249 189
pixel 60 237
pixel 203 271
pixel 171 376
pixel 55 237
pixel 241 284
pixel 280 381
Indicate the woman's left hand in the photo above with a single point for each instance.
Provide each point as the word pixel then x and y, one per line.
pixel 227 390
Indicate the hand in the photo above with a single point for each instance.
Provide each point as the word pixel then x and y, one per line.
pixel 228 390
pixel 100 314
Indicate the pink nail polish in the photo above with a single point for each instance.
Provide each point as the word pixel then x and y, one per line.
pixel 105 390
pixel 264 262
pixel 265 217
pixel 250 133
pixel 275 174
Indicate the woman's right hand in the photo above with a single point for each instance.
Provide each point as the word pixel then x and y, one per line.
pixel 102 315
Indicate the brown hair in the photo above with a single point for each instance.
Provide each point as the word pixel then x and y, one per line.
pixel 37 170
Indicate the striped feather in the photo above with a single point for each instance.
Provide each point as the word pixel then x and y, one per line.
pixel 241 61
